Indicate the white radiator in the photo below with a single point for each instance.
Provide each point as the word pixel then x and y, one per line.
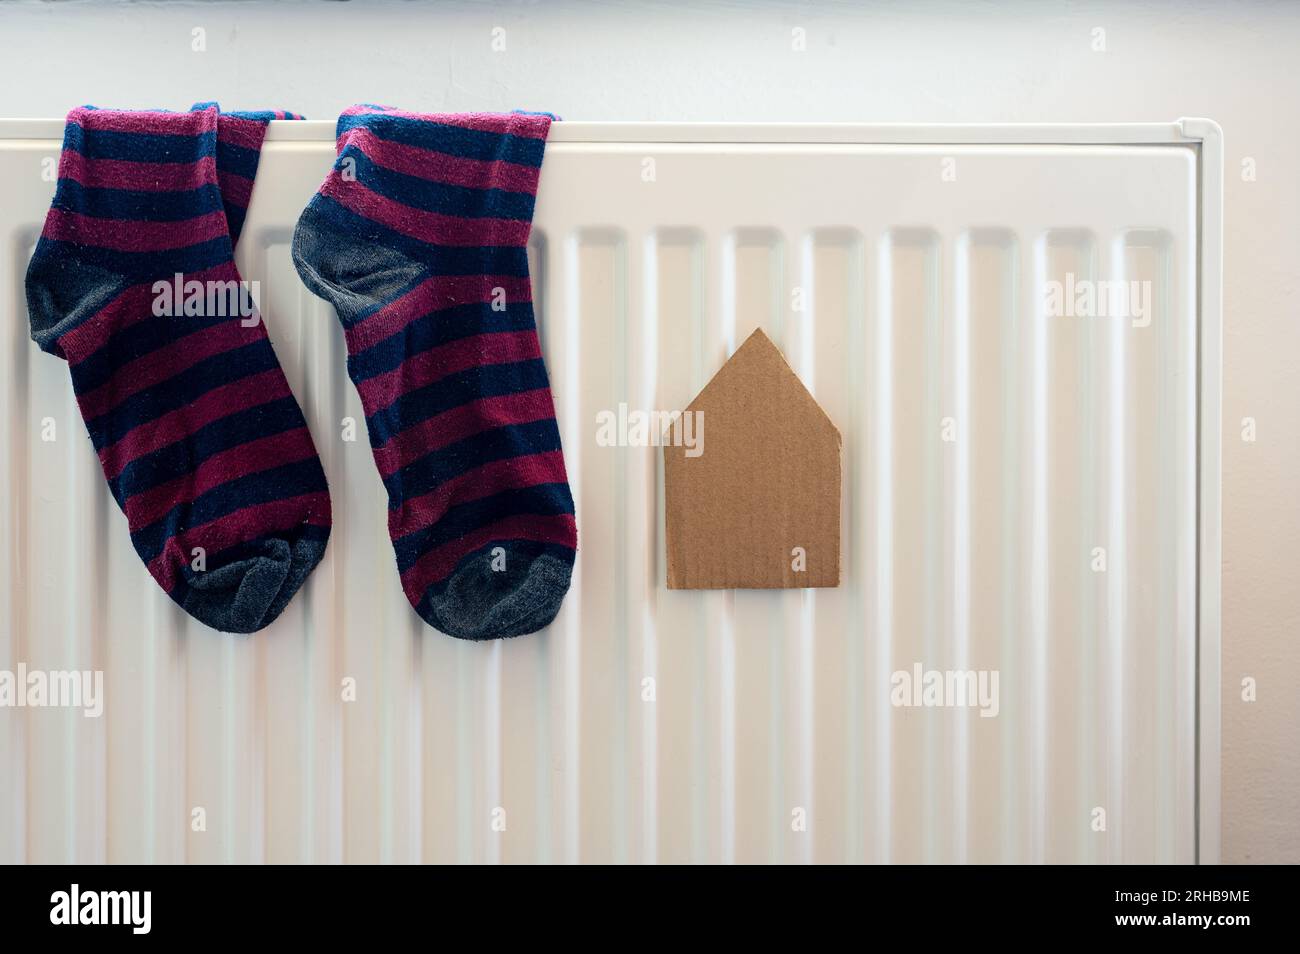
pixel 1028 494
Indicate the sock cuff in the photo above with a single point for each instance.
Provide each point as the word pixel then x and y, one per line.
pixel 419 195
pixel 486 151
pixel 240 136
pixel 133 184
pixel 93 135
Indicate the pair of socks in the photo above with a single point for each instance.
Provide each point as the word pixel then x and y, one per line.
pixel 418 239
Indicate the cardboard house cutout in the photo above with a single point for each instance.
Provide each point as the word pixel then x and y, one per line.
pixel 756 502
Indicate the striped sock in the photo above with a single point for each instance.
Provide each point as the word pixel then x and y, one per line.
pixel 203 445
pixel 418 239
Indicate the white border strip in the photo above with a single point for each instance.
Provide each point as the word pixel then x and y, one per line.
pixel 1209 489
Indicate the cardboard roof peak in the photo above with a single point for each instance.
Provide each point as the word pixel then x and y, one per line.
pixel 758 354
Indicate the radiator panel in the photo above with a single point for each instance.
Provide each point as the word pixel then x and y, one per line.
pixel 989 450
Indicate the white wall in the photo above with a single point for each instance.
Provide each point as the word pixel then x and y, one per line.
pixel 957 62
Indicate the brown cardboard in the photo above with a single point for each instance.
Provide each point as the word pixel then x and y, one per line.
pixel 766 480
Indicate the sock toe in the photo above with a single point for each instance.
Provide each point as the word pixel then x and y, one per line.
pixel 477 602
pixel 248 592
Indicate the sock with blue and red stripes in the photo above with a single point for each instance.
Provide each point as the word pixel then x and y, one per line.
pixel 418 238
pixel 204 447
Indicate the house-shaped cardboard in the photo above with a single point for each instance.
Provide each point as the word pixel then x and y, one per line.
pixel 756 503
